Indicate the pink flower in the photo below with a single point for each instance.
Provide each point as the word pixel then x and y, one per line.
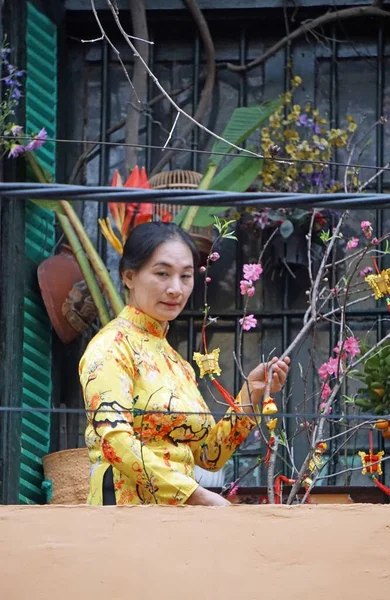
pixel 252 272
pixel 15 150
pixel 352 243
pixel 214 256
pixel 366 228
pixel 325 392
pixel 375 241
pixel 366 271
pixel 337 349
pixel 334 365
pixel 328 410
pixel 202 269
pixel 248 322
pixel 351 345
pixel 323 371
pixel 251 291
pixel 37 141
pixel 233 491
pixel 245 286
pixel 208 279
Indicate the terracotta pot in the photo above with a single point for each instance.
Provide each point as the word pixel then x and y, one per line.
pixel 203 244
pixel 65 294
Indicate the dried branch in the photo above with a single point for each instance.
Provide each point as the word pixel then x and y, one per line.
pixel 86 155
pixel 207 91
pixel 306 26
pixel 140 82
pixel 168 97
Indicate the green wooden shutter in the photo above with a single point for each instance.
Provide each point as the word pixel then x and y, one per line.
pixel 41 111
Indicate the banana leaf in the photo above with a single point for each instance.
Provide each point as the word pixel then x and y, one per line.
pixel 238 174
pixel 243 122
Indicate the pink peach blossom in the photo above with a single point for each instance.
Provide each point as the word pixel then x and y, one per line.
pixel 252 272
pixel 248 322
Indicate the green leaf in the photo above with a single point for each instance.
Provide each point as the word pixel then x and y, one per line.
pixel 237 175
pixel 180 216
pixel 286 229
pixel 243 122
pixel 205 215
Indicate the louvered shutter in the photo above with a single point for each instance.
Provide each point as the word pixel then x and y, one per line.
pixel 41 111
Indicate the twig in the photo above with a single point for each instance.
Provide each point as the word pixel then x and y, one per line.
pixel 172 130
pixel 168 97
pixel 325 19
pixel 105 36
pixel 367 183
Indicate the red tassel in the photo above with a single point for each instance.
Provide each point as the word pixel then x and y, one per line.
pixel 376 265
pixel 225 394
pixel 268 455
pixel 278 485
pixel 381 486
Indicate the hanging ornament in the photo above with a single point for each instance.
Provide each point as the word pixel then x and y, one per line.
pixel 380 283
pixel 269 406
pixel 208 363
pixel 371 463
pixel 317 461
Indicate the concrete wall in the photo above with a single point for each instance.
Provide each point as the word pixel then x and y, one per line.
pixel 195 553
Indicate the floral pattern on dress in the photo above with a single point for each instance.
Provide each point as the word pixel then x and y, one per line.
pixel 143 407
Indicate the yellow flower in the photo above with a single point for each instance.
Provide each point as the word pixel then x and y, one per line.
pixel 290 149
pixel 110 236
pixel 296 81
pixel 290 134
pixel 315 112
pixel 307 169
pixel 307 107
pixel 352 127
pixel 287 97
pixel 267 178
pixel 336 187
pixel 350 119
pixel 292 172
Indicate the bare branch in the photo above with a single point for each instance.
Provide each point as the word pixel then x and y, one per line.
pixel 326 19
pixel 140 81
pixel 168 97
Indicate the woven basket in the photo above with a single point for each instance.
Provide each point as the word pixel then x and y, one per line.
pixel 176 180
pixel 68 471
pixel 183 180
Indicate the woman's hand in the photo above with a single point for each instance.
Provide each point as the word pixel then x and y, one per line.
pixel 202 497
pixel 257 382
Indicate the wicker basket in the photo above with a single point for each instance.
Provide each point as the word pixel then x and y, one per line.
pixel 183 180
pixel 68 471
pixel 176 180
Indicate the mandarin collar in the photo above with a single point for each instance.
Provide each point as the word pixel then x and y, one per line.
pixel 143 322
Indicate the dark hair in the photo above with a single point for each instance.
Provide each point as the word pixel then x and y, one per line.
pixel 146 238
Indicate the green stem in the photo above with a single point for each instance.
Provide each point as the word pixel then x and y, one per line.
pixel 97 264
pixel 86 270
pixel 192 211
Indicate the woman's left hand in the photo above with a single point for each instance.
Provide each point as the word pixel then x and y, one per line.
pixel 257 381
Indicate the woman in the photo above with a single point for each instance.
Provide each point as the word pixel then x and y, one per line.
pixel 148 424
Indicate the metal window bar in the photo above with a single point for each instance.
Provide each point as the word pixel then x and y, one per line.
pixel 241 54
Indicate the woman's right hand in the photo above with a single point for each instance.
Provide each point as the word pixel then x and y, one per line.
pixel 203 497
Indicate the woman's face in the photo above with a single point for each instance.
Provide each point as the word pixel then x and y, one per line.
pixel 163 285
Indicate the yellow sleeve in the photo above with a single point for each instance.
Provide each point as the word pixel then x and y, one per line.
pixel 107 379
pixel 223 439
